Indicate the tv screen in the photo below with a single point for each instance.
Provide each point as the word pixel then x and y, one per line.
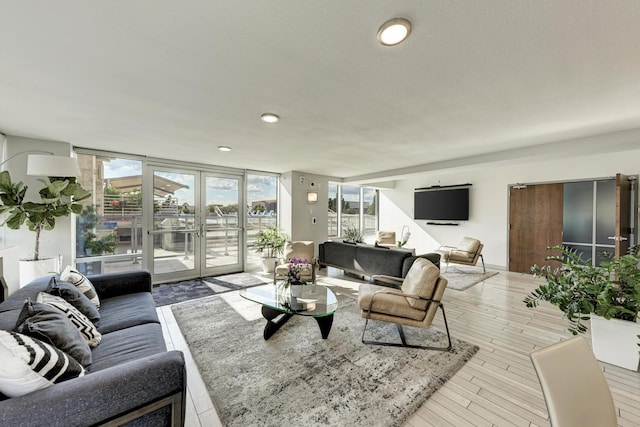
pixel 445 204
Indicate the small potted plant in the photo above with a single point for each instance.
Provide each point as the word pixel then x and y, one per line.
pixel 608 295
pixel 270 243
pixel 352 235
pixel 294 279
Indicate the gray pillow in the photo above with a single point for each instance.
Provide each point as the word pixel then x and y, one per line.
pixel 73 296
pixel 50 325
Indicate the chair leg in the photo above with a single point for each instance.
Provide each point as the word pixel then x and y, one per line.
pixel 404 343
pixel 484 270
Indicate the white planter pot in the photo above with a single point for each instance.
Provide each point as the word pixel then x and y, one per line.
pixel 268 264
pixel 30 270
pixel 615 341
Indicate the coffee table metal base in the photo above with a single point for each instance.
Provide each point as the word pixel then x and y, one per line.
pixel 275 319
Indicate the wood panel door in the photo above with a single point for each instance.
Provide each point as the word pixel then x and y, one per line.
pixel 623 215
pixel 535 223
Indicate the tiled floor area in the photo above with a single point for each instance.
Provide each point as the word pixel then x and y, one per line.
pixel 498 387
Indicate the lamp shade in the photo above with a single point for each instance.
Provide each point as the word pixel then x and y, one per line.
pixel 44 165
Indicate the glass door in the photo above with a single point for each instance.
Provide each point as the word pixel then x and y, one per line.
pixel 175 228
pixel 197 226
pixel 222 243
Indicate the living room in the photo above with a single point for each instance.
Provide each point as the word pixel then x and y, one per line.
pixel 493 95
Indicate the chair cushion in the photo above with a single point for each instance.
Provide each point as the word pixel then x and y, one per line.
pixel 420 280
pixel 390 304
pixel 283 269
pixel 466 249
pixel 386 237
pixel 301 249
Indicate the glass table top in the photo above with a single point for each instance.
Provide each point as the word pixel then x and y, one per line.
pixel 315 301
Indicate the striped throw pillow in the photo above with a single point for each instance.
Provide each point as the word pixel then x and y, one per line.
pixel 87 328
pixel 83 284
pixel 27 364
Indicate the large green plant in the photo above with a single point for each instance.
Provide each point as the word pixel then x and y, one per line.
pixel 578 288
pixel 270 241
pixel 87 222
pixel 58 198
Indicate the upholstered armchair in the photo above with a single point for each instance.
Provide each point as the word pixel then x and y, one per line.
pixel 297 249
pixel 415 303
pixel 386 238
pixel 467 252
pixel 574 388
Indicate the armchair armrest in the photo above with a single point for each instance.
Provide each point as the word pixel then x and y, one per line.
pixel 100 396
pixel 121 283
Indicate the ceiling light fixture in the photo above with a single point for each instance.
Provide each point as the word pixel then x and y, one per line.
pixel 394 31
pixel 224 148
pixel 269 118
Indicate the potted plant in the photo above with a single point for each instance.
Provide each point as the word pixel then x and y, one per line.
pixel 58 198
pixel 608 295
pixel 352 235
pixel 270 242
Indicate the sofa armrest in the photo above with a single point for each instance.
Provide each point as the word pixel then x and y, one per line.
pixel 111 285
pixel 100 396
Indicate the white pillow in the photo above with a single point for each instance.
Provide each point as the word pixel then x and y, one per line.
pixel 27 364
pixel 83 284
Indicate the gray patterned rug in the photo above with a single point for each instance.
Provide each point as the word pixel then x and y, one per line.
pixel 461 280
pixel 185 290
pixel 297 378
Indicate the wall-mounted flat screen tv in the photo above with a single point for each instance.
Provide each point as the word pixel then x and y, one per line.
pixel 442 204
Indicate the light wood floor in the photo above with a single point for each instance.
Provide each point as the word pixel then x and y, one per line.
pixel 498 387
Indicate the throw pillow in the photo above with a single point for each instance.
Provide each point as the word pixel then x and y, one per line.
pixel 87 329
pixel 28 364
pixel 50 325
pixel 78 280
pixel 72 295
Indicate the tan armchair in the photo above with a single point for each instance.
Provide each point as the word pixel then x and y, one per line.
pixel 386 238
pixel 574 387
pixel 297 249
pixel 467 252
pixel 414 304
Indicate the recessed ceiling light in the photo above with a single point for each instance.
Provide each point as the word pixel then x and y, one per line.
pixel 269 118
pixel 394 31
pixel 224 148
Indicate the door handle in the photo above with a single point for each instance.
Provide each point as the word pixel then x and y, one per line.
pixel 617 238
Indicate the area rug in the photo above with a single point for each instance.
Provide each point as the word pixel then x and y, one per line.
pixel 173 293
pixel 297 378
pixel 460 281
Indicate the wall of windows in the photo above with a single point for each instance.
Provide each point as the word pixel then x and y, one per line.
pixel 352 207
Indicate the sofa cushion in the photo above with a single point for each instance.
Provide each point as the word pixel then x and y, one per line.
pixel 75 297
pixel 128 344
pixel 50 325
pixel 127 310
pixel 28 364
pixel 78 280
pixel 87 329
pixel 421 280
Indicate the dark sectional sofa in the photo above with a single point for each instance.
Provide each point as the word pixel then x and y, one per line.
pixel 132 378
pixel 368 260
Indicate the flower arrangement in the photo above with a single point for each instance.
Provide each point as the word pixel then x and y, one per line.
pixel 294 275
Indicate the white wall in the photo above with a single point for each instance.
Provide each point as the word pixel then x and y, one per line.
pixel 488 216
pixel 52 243
pixel 297 214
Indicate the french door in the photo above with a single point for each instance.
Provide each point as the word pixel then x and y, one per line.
pixel 196 228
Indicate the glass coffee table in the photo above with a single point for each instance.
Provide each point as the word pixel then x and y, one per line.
pixel 278 306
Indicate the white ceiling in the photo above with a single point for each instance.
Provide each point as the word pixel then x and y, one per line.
pixel 176 79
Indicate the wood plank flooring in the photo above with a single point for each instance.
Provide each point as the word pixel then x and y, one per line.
pixel 498 387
